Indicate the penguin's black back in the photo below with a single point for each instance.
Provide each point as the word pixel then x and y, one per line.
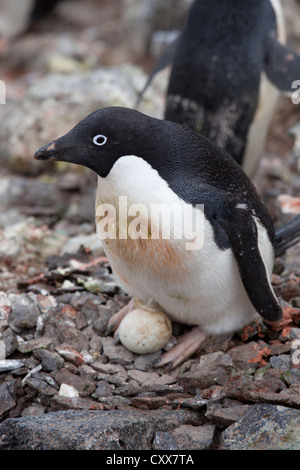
pixel 217 67
pixel 200 172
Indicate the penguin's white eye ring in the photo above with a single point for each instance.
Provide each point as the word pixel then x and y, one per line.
pixel 99 139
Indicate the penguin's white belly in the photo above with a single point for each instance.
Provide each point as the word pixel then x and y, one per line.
pixel 197 287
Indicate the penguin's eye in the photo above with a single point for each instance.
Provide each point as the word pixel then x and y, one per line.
pixel 99 139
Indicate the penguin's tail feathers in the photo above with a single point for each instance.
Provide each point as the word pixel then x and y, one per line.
pixel 287 235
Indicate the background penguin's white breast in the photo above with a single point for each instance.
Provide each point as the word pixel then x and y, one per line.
pixel 267 101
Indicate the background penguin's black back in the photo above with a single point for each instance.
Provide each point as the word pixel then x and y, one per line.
pixel 210 70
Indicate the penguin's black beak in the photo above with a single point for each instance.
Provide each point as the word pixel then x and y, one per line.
pixel 48 152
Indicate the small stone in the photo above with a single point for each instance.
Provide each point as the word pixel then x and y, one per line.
pixel 291 377
pixel 104 313
pixel 10 364
pixel 74 244
pixel 281 362
pixel 59 402
pixel 290 334
pixel 33 410
pixel 277 348
pixel 213 369
pixel 97 286
pixel 66 390
pixel 164 441
pixel 270 378
pixel 103 390
pixel 117 353
pixel 68 285
pixel 248 357
pixel 96 343
pixel 70 354
pixel 5 306
pixel 226 416
pixel 165 379
pixel 145 362
pixel 151 403
pixel 87 357
pixel 87 371
pixel 7 396
pixel 50 360
pixel 2 350
pixel 47 378
pixel 143 377
pixel 20 372
pixel 195 403
pixel 84 386
pixel 40 386
pixel 10 340
pixel 190 437
pixel 24 312
pixel 28 346
pixel 108 368
pixel 115 401
pixel 132 388
pixel 100 325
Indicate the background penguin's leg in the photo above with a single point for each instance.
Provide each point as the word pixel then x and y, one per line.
pixel 282 66
pixel 187 345
pixel 116 319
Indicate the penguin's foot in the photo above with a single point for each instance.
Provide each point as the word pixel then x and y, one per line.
pixel 116 319
pixel 187 345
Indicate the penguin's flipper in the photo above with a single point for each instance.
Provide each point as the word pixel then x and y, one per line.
pixel 282 65
pixel 242 232
pixel 164 60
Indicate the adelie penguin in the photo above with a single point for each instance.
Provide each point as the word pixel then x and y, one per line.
pixel 217 287
pixel 228 68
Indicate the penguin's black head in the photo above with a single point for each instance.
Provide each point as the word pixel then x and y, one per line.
pixel 101 138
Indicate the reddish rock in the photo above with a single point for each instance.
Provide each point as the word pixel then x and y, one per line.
pixel 70 354
pixel 65 403
pixel 290 315
pixel 250 356
pixel 150 403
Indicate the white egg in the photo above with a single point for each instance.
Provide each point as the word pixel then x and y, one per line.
pixel 145 330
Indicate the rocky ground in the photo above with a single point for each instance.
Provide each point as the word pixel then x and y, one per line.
pixel 65 384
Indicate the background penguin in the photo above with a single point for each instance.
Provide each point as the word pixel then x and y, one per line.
pixel 219 287
pixel 229 66
pixel 17 17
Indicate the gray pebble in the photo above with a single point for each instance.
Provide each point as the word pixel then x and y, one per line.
pixel 281 362
pixel 10 364
pixel 24 312
pixel 50 360
pixel 103 390
pixel 2 350
pixel 164 441
pixel 10 340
